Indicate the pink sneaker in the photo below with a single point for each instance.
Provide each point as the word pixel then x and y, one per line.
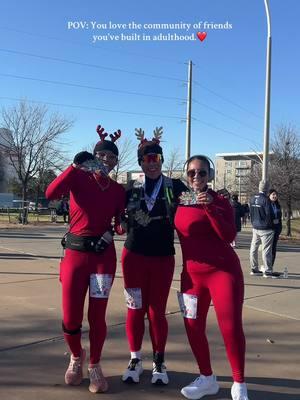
pixel 74 374
pixel 98 383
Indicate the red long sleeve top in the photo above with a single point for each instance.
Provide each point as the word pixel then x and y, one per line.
pixel 205 232
pixel 91 208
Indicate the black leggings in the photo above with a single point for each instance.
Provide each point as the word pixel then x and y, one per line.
pixel 274 246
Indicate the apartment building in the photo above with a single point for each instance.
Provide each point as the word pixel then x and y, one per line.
pixel 233 168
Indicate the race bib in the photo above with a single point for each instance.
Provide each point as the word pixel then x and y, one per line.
pixel 100 285
pixel 187 305
pixel 133 298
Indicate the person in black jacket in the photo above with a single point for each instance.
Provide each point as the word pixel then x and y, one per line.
pixel 262 222
pixel 148 257
pixel 238 213
pixel 276 219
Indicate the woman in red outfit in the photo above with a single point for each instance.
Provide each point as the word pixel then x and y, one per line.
pixel 90 256
pixel 211 271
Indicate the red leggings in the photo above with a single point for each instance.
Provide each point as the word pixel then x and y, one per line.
pixel 78 272
pixel 152 277
pixel 226 290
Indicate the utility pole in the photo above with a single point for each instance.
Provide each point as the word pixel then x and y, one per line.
pixel 189 113
pixel 267 96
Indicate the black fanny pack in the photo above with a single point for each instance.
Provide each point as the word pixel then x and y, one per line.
pixel 85 243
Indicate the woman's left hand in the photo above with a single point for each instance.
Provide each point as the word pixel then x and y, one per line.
pixel 204 198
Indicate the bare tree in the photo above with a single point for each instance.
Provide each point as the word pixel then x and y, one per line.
pixel 2 172
pixel 30 140
pixel 284 170
pixel 127 156
pixel 174 164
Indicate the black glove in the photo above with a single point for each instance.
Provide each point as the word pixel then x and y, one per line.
pixel 82 157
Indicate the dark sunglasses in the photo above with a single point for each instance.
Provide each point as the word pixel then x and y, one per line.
pixel 155 158
pixel 192 172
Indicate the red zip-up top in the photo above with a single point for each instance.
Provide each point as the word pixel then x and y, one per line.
pixel 91 208
pixel 205 232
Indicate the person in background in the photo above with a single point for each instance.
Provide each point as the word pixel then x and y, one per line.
pixel 90 256
pixel 246 214
pixel 277 220
pixel 262 223
pixel 211 272
pixel 63 209
pixel 238 213
pixel 148 257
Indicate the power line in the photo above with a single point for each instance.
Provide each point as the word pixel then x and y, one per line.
pixel 80 44
pixel 89 87
pixel 129 72
pixel 226 131
pixel 224 115
pixel 228 100
pixel 93 65
pixel 94 108
pixel 129 113
pixel 118 70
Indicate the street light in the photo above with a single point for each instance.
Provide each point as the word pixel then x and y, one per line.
pixel 267 96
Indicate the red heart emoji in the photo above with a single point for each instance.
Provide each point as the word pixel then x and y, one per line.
pixel 201 35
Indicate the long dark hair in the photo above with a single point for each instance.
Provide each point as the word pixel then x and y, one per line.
pixel 274 191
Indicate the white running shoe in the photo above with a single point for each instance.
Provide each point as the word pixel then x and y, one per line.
pixel 159 374
pixel 98 383
pixel 200 387
pixel 239 391
pixel 133 371
pixel 74 373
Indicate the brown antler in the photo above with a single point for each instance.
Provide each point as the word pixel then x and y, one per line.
pixel 157 134
pixel 140 135
pixel 100 133
pixel 115 136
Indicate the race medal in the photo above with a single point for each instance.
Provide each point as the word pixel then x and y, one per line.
pixel 142 218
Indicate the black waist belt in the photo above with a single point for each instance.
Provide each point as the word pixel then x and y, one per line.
pixel 81 243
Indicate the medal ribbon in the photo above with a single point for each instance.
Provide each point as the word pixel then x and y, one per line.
pixel 150 200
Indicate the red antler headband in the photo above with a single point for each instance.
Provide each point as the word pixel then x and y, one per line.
pixel 113 137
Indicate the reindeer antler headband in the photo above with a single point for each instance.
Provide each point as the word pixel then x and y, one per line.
pixel 149 146
pixel 106 144
pixel 157 134
pixel 113 137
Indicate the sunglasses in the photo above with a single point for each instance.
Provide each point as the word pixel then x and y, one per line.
pixel 192 173
pixel 155 158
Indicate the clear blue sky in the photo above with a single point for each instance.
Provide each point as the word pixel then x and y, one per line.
pixel 229 64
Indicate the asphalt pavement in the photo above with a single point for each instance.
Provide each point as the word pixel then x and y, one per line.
pixel 33 356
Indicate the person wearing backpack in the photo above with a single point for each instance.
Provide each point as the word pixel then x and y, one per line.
pixel 148 257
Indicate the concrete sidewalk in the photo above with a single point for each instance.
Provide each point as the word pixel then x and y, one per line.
pixel 33 354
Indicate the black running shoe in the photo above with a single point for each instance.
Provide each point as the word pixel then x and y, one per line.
pixel 256 272
pixel 274 275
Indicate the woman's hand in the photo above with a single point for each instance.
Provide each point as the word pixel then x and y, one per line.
pixel 204 198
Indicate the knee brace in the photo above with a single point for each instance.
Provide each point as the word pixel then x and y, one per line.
pixel 71 331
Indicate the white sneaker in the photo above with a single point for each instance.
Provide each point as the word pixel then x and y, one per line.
pixel 202 386
pixel 239 391
pixel 74 373
pixel 98 383
pixel 133 371
pixel 159 374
